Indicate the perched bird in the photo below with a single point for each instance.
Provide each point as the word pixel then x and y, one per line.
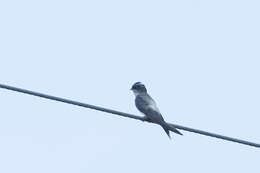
pixel 148 107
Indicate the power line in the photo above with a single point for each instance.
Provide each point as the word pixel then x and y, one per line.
pixel 126 114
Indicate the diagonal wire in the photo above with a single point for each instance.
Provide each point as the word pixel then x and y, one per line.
pixel 126 114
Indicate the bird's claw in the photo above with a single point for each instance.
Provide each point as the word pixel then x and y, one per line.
pixel 145 118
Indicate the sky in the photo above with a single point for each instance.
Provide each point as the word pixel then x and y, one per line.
pixel 198 59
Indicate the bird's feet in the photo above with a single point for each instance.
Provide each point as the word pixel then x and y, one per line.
pixel 145 118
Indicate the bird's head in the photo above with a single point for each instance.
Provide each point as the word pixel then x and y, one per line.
pixel 138 88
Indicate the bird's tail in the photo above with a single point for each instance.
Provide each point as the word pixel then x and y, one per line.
pixel 168 128
pixel 166 131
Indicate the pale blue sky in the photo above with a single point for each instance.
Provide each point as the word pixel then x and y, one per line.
pixel 199 60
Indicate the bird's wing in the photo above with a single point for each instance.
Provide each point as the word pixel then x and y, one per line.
pixel 141 103
pixel 147 106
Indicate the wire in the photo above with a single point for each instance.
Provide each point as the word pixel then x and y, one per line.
pixel 125 114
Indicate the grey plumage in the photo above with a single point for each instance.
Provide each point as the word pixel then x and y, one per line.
pixel 148 107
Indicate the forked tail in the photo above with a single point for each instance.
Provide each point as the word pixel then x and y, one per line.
pixel 166 131
pixel 168 128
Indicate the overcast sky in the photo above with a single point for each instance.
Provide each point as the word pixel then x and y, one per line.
pixel 199 60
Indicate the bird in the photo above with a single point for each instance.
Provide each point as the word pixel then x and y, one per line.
pixel 146 105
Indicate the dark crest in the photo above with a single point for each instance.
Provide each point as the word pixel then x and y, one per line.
pixel 138 86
